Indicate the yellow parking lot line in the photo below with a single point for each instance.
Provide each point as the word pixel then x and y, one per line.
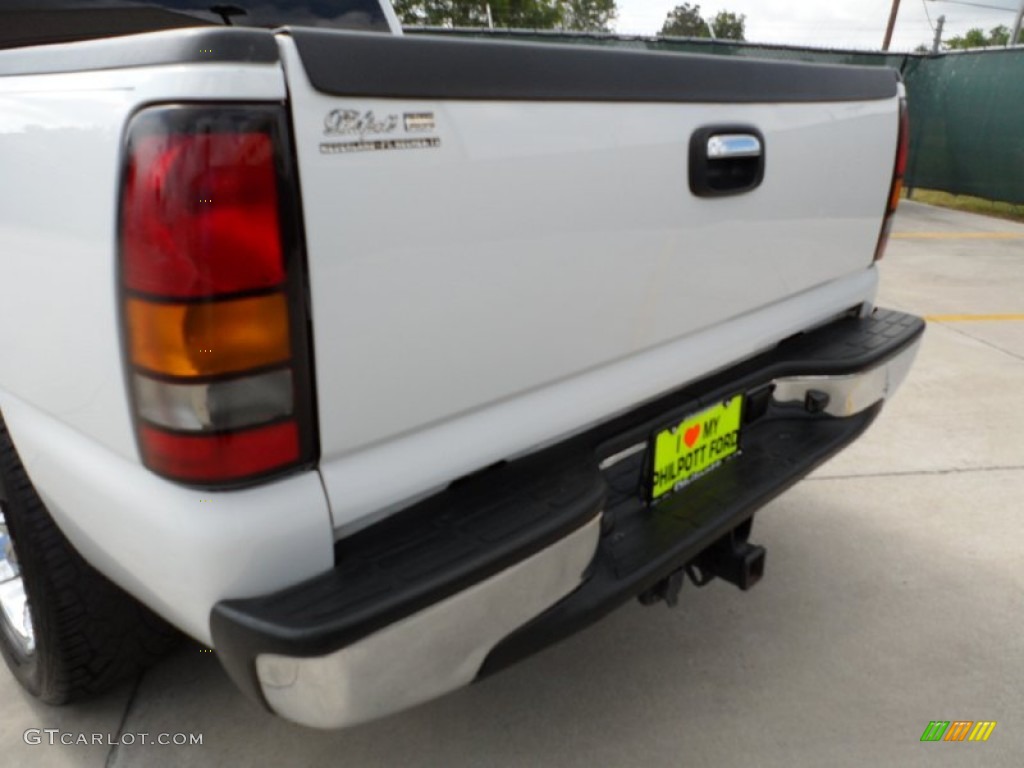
pixel 957 235
pixel 974 318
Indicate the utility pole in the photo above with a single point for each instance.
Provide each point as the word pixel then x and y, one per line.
pixel 1017 24
pixel 938 34
pixel 892 24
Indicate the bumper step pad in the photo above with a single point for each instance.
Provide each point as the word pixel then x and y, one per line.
pixel 488 522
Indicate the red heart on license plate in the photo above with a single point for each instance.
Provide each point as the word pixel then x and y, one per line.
pixel 691 435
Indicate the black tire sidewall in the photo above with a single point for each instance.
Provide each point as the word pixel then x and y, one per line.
pixel 89 633
pixel 28 669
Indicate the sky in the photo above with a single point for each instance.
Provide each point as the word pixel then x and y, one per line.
pixel 831 23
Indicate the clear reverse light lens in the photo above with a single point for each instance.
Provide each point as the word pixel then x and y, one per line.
pixel 217 405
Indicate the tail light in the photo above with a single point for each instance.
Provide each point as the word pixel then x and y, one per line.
pixel 215 333
pixel 896 188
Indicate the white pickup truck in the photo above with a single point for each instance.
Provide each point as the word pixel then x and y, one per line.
pixel 378 362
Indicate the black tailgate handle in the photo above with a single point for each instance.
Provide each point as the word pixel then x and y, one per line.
pixel 726 160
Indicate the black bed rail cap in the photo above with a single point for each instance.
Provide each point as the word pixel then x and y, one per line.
pixel 347 63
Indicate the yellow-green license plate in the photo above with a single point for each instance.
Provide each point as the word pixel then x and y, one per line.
pixel 695 446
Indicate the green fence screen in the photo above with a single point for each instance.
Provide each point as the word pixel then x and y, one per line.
pixel 966 109
pixel 967 123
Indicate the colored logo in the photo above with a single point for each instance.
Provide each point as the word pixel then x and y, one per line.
pixel 958 730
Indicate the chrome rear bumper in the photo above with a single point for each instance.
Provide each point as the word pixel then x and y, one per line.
pixel 555 540
pixel 430 653
pixel 853 393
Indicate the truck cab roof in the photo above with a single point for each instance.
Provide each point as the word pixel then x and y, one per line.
pixel 41 22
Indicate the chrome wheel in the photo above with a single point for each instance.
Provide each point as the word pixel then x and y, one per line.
pixel 14 608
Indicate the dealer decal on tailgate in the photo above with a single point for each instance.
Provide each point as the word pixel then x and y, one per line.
pixel 695 446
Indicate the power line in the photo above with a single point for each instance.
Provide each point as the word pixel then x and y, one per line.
pixel 977 5
pixel 816 25
pixel 928 15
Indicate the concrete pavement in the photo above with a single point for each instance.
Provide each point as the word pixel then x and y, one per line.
pixel 894 595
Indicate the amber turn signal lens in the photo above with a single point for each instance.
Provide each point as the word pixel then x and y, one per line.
pixel 208 338
pixel 897 192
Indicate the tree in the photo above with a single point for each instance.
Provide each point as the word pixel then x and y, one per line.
pixel 729 26
pixel 973 38
pixel 976 38
pixel 686 21
pixel 588 15
pixel 999 35
pixel 583 15
pixel 441 13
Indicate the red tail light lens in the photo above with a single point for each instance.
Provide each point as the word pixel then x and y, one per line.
pixel 213 297
pixel 201 215
pixel 221 457
pixel 899 170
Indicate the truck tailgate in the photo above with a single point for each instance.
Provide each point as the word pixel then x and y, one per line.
pixel 483 219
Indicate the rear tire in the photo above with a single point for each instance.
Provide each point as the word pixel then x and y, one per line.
pixel 84 634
